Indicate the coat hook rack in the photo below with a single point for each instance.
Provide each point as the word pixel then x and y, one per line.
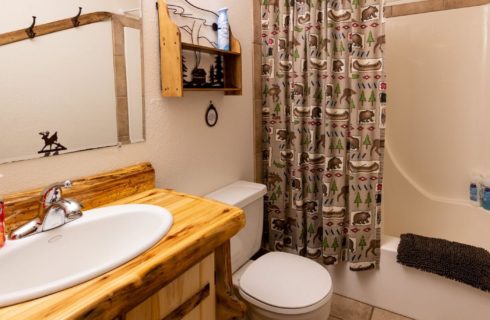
pixel 76 19
pixel 30 31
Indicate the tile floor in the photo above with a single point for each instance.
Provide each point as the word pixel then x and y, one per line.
pixel 347 309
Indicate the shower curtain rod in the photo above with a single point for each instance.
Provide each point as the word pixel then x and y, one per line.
pixel 393 9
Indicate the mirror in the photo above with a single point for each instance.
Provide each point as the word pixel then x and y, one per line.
pixel 76 88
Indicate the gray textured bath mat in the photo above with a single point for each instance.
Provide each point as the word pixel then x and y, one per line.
pixel 453 260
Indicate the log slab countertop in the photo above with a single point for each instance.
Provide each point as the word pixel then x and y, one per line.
pixel 200 227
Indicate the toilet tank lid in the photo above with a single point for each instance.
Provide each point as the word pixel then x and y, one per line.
pixel 287 281
pixel 239 193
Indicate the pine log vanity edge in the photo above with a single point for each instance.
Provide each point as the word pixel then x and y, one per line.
pixel 200 235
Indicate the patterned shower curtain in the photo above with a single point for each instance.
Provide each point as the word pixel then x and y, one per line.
pixel 323 137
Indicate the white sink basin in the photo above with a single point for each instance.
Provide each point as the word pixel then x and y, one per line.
pixel 100 241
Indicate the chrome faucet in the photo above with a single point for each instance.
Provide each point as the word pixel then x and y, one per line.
pixel 54 211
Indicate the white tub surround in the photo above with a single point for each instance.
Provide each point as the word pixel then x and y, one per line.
pixel 407 291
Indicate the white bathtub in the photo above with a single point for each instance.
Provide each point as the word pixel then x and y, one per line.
pixel 410 292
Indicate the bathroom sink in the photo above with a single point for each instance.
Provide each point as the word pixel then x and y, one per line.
pixel 98 242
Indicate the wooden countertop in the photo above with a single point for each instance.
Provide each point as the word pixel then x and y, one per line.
pixel 200 226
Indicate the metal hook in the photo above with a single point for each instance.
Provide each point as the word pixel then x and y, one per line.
pixel 30 31
pixel 75 20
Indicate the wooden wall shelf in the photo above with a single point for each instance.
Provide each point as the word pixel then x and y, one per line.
pixel 213 89
pixel 195 47
pixel 171 48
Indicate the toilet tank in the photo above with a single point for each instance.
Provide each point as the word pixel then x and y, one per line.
pixel 248 196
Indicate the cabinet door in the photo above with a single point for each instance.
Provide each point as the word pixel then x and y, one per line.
pixel 189 297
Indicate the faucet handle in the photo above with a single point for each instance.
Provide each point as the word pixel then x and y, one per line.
pixel 53 193
pixel 32 227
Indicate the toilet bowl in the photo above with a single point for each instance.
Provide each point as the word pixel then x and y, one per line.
pixel 277 285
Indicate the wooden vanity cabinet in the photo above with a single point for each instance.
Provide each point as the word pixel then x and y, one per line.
pixel 192 296
pixel 186 275
pixel 204 292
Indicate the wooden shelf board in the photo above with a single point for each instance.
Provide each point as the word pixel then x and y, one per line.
pixel 194 47
pixel 212 89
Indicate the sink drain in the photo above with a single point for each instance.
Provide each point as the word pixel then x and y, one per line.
pixel 55 238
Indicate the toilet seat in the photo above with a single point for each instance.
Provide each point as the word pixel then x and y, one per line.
pixel 285 311
pixel 286 284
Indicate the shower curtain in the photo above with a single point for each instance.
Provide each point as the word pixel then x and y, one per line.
pixel 323 112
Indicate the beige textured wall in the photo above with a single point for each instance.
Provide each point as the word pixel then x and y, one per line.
pixel 187 155
pixel 439 71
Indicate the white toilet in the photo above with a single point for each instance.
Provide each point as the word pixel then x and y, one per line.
pixel 277 285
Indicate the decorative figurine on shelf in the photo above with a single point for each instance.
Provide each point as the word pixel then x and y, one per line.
pixel 218 75
pixel 214 78
pixel 198 78
pixel 198 75
pixel 212 74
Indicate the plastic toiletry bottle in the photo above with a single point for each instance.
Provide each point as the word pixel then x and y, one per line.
pixel 2 223
pixel 475 190
pixel 223 30
pixel 485 200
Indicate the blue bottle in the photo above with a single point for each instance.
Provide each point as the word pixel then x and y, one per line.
pixel 223 30
pixel 476 189
pixel 485 200
pixel 474 192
